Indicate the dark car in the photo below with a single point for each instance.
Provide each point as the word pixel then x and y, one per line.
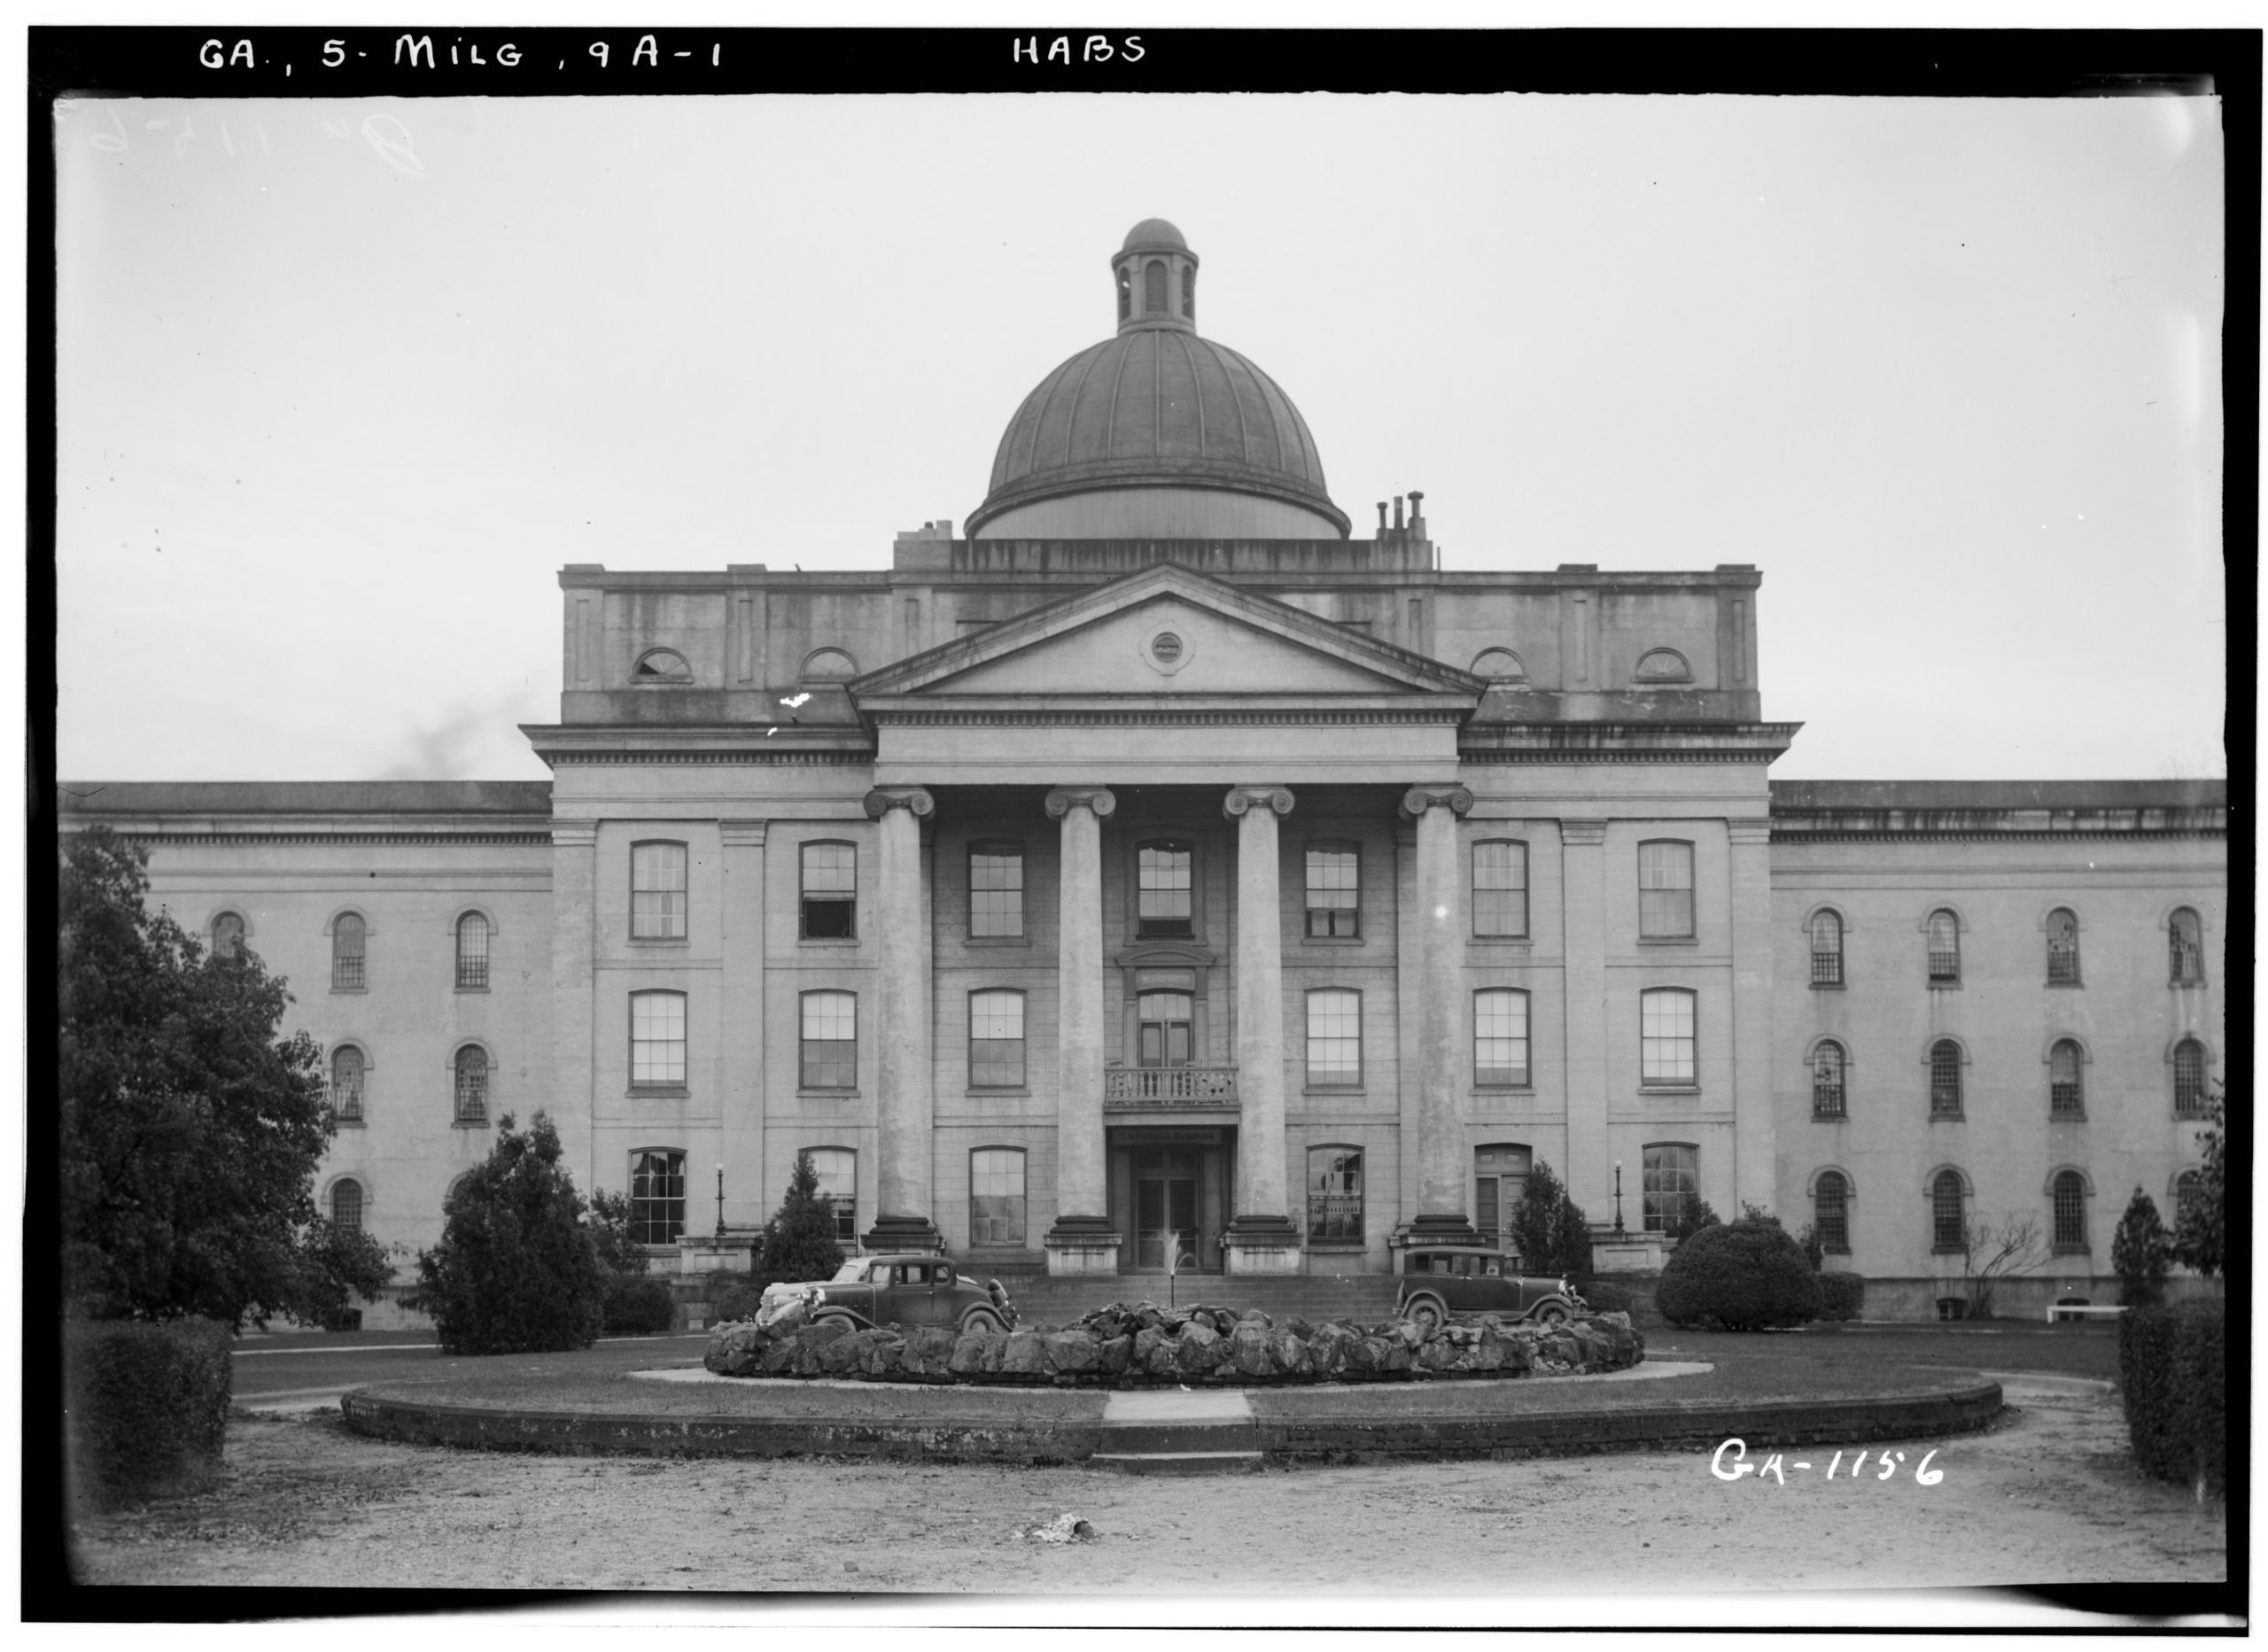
pixel 1438 1280
pixel 908 1290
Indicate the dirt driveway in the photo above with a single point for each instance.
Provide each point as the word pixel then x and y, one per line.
pixel 2049 1496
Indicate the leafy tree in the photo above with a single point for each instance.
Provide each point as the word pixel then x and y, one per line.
pixel 2140 1251
pixel 798 1243
pixel 2198 1224
pixel 515 1271
pixel 1549 1230
pixel 1691 1215
pixel 609 1224
pixel 1814 1253
pixel 1994 1253
pixel 190 1131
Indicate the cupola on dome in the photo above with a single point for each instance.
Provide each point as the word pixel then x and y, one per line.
pixel 1156 432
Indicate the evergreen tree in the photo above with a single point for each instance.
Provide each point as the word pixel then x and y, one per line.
pixel 799 1243
pixel 609 1225
pixel 2140 1251
pixel 1693 1214
pixel 2198 1235
pixel 1549 1230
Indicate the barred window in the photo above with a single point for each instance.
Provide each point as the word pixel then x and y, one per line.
pixel 2063 948
pixel 2188 1190
pixel 1665 890
pixel 1827 1081
pixel 2185 935
pixel 1334 1037
pixel 2065 1099
pixel 2189 1079
pixel 1948 1214
pixel 228 936
pixel 995 890
pixel 996 1039
pixel 472 1085
pixel 996 1196
pixel 658 892
pixel 347 950
pixel 830 1050
pixel 1665 1036
pixel 2070 1199
pixel 1945 947
pixel 657 1038
pixel 1500 1036
pixel 472 950
pixel 1163 905
pixel 1673 1178
pixel 1335 890
pixel 1830 1211
pixel 1500 888
pixel 1945 1080
pixel 838 1179
pixel 830 890
pixel 346 1084
pixel 1826 950
pixel 657 1197
pixel 346 1205
pixel 1335 1193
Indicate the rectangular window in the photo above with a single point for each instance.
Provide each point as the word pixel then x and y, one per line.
pixel 1164 899
pixel 830 1052
pixel 657 1197
pixel 1334 1037
pixel 1665 891
pixel 1665 1040
pixel 996 891
pixel 1500 1036
pixel 1335 1193
pixel 1831 1213
pixel 657 891
pixel 838 1179
pixel 1500 889
pixel 830 891
pixel 1673 1177
pixel 996 1196
pixel 1948 1224
pixel 657 1038
pixel 996 1040
pixel 1334 892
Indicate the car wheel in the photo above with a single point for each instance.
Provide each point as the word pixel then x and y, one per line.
pixel 1551 1313
pixel 981 1319
pixel 1427 1313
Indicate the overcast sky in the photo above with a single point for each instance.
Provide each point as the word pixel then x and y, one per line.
pixel 343 385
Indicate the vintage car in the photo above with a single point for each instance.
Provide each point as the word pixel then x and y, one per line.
pixel 908 1290
pixel 1438 1280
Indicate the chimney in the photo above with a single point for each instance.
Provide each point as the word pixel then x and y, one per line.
pixel 1397 513
pixel 1381 519
pixel 1417 517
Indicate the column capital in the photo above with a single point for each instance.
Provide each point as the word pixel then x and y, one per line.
pixel 915 800
pixel 1447 794
pixel 1242 800
pixel 1064 799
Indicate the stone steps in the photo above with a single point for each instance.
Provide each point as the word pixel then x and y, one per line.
pixel 1177 1432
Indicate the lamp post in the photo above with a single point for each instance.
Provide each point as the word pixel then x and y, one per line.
pixel 720 1199
pixel 1617 1198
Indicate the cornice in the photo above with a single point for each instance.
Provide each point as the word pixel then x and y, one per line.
pixel 300 835
pixel 930 715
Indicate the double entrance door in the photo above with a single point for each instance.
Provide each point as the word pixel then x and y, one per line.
pixel 1170 1198
pixel 1165 1211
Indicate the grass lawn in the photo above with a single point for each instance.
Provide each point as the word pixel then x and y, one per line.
pixel 2015 1344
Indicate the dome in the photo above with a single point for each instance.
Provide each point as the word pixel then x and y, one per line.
pixel 1152 233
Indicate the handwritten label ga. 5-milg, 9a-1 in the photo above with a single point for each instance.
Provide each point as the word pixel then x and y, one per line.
pixel 1888 1465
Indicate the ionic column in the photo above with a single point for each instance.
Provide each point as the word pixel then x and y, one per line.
pixel 1443 1156
pixel 1263 1238
pixel 902 1068
pixel 1082 1241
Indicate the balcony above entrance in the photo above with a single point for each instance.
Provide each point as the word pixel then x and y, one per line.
pixel 1132 1087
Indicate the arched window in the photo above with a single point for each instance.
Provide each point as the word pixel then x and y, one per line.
pixel 657 1197
pixel 1827 1081
pixel 1335 1193
pixel 1826 950
pixel 996 1039
pixel 1948 1214
pixel 228 936
pixel 1665 1036
pixel 2065 1097
pixel 347 952
pixel 657 891
pixel 1125 292
pixel 1830 1211
pixel 346 1205
pixel 1665 890
pixel 1671 1183
pixel 661 665
pixel 1663 665
pixel 2185 937
pixel 346 1084
pixel 1163 1012
pixel 996 1196
pixel 1189 292
pixel 472 1085
pixel 1945 1080
pixel 830 1048
pixel 829 665
pixel 1334 1037
pixel 657 1040
pixel 1500 1172
pixel 1500 1036
pixel 1944 948
pixel 472 951
pixel 2070 1201
pixel 1499 665
pixel 838 1179
pixel 1154 287
pixel 2189 1188
pixel 2063 948
pixel 1500 889
pixel 2189 1079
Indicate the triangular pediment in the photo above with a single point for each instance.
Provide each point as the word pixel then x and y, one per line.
pixel 1166 630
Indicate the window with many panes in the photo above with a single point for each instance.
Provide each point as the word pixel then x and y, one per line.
pixel 658 892
pixel 996 1039
pixel 996 891
pixel 1665 1036
pixel 830 1041
pixel 1948 1212
pixel 1665 891
pixel 830 891
pixel 1334 891
pixel 346 1205
pixel 2188 1192
pixel 2189 1079
pixel 472 1085
pixel 347 947
pixel 2063 948
pixel 1944 948
pixel 657 1197
pixel 1164 894
pixel 996 1196
pixel 1945 1080
pixel 1334 1037
pixel 1165 1004
pixel 347 1077
pixel 838 1179
pixel 1335 1194
pixel 1500 1036
pixel 1672 1172
pixel 2070 1198
pixel 1500 888
pixel 228 936
pixel 472 952
pixel 1826 950
pixel 2066 1099
pixel 1827 1064
pixel 2186 942
pixel 1830 1211
pixel 657 1038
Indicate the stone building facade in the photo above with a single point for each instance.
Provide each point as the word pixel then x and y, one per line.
pixel 1158 865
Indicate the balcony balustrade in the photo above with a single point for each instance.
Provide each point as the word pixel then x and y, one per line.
pixel 1168 1087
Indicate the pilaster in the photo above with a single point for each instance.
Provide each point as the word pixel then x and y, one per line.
pixel 749 1181
pixel 1589 1173
pixel 1756 1161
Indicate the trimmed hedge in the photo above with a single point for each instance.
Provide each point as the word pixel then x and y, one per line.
pixel 738 1302
pixel 1749 1275
pixel 146 1408
pixel 2172 1364
pixel 1841 1296
pixel 637 1306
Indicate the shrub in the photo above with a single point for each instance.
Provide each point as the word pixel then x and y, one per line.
pixel 146 1408
pixel 1692 1214
pixel 2171 1371
pixel 609 1226
pixel 639 1307
pixel 1841 1296
pixel 2140 1251
pixel 2200 1227
pixel 799 1243
pixel 1738 1276
pixel 739 1300
pixel 1605 1298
